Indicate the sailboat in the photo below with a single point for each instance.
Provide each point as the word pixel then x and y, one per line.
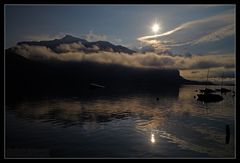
pixel 206 90
pixel 233 92
pixel 223 90
pixel 207 95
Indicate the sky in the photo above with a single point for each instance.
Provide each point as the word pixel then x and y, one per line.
pixel 198 30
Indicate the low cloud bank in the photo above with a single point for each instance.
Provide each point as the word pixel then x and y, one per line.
pixel 72 52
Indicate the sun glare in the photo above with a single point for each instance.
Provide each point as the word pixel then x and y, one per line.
pixel 155 28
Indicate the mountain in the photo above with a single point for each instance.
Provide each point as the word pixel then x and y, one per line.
pixel 54 43
pixel 24 76
pixel 35 77
pixel 68 39
pixel 106 46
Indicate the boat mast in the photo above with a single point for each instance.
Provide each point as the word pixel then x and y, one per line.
pixel 207 79
pixel 222 80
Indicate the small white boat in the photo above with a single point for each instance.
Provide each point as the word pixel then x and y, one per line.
pixel 94 85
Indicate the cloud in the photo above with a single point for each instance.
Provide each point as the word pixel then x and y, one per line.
pixel 193 72
pixel 204 30
pixel 69 52
pixel 216 74
pixel 77 47
pixel 228 73
pixel 35 52
pixel 117 40
pixel 193 67
pixel 216 35
pixel 73 47
pixel 91 37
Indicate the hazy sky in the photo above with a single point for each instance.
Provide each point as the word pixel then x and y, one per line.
pixel 125 24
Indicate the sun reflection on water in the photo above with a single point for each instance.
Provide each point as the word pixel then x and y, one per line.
pixel 152 138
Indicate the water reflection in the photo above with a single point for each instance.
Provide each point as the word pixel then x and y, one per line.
pixel 103 123
pixel 152 138
pixel 67 112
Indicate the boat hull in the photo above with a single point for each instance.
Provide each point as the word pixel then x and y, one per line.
pixel 209 97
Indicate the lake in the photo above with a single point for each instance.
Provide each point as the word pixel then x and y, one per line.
pixel 143 124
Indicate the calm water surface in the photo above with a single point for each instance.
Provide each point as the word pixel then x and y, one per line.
pixel 125 125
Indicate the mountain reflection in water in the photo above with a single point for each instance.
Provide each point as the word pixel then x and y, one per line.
pixel 122 125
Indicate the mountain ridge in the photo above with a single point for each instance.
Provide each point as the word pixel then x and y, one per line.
pixel 68 39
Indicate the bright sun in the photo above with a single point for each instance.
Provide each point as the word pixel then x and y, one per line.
pixel 155 28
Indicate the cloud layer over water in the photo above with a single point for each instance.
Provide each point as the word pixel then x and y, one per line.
pixel 72 52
